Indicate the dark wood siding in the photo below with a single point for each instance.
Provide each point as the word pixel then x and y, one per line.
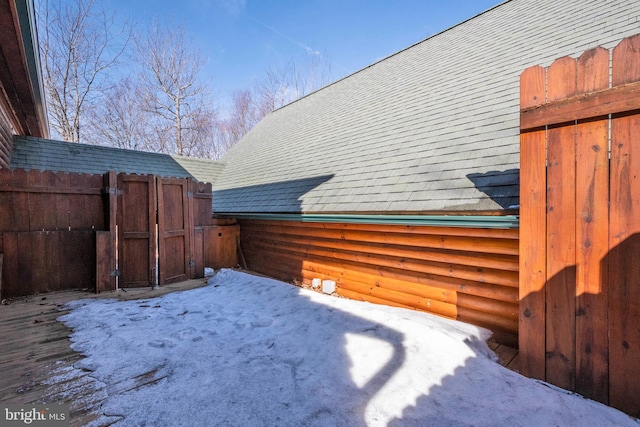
pixel 6 136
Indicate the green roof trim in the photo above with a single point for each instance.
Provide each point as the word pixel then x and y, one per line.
pixel 462 221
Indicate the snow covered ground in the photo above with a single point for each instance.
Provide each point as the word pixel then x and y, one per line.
pixel 250 351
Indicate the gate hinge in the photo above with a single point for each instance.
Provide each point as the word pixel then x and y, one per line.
pixel 189 194
pixel 114 273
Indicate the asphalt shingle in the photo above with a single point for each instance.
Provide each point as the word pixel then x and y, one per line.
pixel 432 128
pixel 59 156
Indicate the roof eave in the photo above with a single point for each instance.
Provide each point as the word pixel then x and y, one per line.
pixel 20 74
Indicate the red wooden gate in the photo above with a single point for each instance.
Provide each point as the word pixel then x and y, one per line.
pixel 175 206
pixel 136 215
pixel 175 229
pixel 580 224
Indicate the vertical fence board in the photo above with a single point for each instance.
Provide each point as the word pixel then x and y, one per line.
pixel 624 241
pixel 198 252
pixel 49 201
pixel 25 265
pixel 10 273
pixel 57 264
pixel 105 262
pixel 76 206
pixel 190 204
pixel 39 260
pixel 98 213
pixel 592 195
pixel 532 230
pixel 20 202
pixel 61 204
pixel 36 201
pixel 561 193
pixel 6 201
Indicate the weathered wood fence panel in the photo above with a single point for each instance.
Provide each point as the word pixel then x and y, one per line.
pixel 174 225
pixel 47 224
pixel 137 230
pixel 466 274
pixel 579 224
pixel 58 230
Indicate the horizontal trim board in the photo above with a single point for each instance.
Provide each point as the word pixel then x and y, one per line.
pixel 619 99
pixel 49 189
pixel 461 221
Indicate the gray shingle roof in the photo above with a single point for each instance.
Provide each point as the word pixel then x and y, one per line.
pixel 432 128
pixel 58 156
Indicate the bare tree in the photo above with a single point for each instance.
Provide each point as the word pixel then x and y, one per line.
pixel 281 86
pixel 79 44
pixel 120 119
pixel 206 130
pixel 174 92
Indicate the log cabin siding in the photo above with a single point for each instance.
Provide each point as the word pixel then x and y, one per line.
pixel 469 274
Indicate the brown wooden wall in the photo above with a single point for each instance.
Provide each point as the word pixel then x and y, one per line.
pixel 6 140
pixel 47 224
pixel 461 273
pixel 57 230
pixel 580 224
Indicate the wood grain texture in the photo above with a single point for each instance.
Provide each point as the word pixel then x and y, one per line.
pixel 560 241
pixel 174 227
pixel 404 273
pixel 615 100
pixel 105 262
pixel 624 241
pixel 136 230
pixel 532 326
pixel 592 227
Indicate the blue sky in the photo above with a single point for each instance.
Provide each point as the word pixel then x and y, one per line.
pixel 242 38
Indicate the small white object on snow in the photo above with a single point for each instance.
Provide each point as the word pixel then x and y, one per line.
pixel 208 272
pixel 328 286
pixel 316 282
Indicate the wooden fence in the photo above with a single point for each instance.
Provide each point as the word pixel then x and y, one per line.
pixel 57 230
pixel 47 223
pixel 461 273
pixel 580 224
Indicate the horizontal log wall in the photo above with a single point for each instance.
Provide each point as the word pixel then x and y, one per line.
pixel 462 273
